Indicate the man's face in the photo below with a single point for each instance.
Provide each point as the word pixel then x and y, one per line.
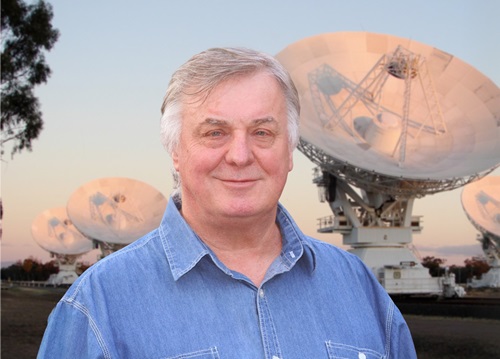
pixel 233 157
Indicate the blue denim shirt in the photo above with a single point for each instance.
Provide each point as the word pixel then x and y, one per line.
pixel 168 296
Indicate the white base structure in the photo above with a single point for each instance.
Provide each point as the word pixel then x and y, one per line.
pixel 66 276
pixel 379 230
pixel 400 273
pixel 67 270
pixel 491 279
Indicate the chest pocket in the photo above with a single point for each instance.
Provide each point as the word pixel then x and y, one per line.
pixel 211 353
pixel 342 351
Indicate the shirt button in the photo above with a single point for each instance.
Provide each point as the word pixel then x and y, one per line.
pixel 261 294
pixel 275 357
pixel 361 356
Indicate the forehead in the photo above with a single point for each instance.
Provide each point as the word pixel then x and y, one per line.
pixel 255 95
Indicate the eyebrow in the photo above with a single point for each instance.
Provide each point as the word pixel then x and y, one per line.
pixel 256 122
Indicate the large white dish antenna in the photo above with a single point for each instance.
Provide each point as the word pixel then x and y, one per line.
pixel 116 210
pixel 393 115
pixel 54 231
pixel 481 203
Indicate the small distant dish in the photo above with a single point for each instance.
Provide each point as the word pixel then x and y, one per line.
pixel 116 210
pixel 55 232
pixel 481 203
pixel 393 115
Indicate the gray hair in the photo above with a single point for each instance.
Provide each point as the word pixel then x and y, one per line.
pixel 194 81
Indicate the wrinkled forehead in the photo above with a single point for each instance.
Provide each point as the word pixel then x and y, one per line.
pixel 196 92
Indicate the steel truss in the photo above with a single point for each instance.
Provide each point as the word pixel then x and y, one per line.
pixel 399 187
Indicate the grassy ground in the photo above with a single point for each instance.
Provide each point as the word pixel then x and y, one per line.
pixel 25 312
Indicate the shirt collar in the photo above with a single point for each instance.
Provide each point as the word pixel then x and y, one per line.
pixel 184 249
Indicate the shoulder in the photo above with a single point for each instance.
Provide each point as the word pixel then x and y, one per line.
pixel 327 251
pixel 116 268
pixel 337 261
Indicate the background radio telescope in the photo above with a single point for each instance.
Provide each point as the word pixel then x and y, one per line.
pixel 481 203
pixel 54 232
pixel 116 211
pixel 388 120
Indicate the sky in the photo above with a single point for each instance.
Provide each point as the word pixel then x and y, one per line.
pixel 111 66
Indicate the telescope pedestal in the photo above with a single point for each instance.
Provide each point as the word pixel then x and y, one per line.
pixel 399 270
pixel 490 279
pixel 67 270
pixel 379 230
pixel 66 276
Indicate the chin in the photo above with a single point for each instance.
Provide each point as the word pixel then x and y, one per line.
pixel 246 209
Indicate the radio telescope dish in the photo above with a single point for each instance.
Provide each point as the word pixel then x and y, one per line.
pixel 116 211
pixel 392 114
pixel 55 232
pixel 481 203
pixel 399 120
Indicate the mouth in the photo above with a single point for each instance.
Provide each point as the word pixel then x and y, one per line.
pixel 239 183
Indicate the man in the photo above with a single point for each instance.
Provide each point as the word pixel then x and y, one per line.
pixel 228 274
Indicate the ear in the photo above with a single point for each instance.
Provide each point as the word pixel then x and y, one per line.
pixel 175 160
pixel 290 161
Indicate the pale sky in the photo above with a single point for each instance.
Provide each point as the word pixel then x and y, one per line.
pixel 111 66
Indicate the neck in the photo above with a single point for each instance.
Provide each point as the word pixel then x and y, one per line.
pixel 245 245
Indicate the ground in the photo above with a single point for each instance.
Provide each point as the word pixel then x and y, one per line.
pixel 24 317
pixel 457 338
pixel 25 312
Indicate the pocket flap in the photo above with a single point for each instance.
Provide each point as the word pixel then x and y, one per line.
pixel 342 351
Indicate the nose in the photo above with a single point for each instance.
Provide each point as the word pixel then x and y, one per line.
pixel 239 151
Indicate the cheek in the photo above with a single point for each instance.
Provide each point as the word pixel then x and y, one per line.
pixel 197 161
pixel 277 165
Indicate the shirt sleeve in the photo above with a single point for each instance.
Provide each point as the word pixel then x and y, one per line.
pixel 401 342
pixel 72 333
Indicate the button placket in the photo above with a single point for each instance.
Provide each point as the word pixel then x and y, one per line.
pixel 268 331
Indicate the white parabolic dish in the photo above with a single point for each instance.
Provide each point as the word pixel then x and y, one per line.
pixel 330 72
pixel 53 231
pixel 116 210
pixel 481 203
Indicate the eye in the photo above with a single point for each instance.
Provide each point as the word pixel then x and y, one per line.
pixel 262 133
pixel 264 137
pixel 214 133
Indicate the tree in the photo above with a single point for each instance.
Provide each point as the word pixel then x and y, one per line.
pixel 476 266
pixel 28 264
pixel 26 33
pixel 434 265
pixel 29 269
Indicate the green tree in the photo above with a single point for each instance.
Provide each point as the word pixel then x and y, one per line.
pixel 26 32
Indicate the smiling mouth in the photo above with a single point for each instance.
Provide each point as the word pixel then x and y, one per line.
pixel 238 182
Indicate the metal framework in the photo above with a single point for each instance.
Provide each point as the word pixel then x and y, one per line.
pixel 401 64
pixel 378 182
